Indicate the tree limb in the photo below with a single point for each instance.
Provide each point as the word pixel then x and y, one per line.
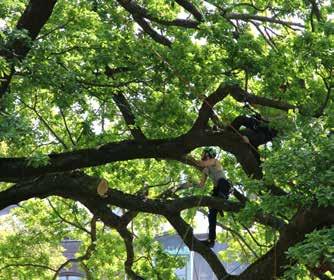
pixel 273 263
pixel 186 233
pixel 191 9
pixel 88 253
pixel 33 19
pixel 124 106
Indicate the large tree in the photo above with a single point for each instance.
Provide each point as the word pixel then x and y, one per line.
pixel 124 90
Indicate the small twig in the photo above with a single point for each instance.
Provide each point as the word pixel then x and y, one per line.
pixel 33 108
pixel 27 264
pixel 65 220
pixel 89 251
pixel 66 126
pixel 53 30
pixel 257 26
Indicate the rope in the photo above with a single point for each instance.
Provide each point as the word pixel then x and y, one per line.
pixel 275 257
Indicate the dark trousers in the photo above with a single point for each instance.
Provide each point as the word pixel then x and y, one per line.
pixel 221 190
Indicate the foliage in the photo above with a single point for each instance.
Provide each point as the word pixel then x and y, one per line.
pixel 61 99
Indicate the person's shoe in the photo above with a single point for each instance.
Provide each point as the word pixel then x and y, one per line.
pixel 208 242
pixel 102 188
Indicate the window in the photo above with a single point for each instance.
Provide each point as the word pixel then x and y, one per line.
pixel 69 277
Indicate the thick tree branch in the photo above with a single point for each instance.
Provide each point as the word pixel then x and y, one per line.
pixel 272 264
pixel 185 231
pixel 191 9
pixel 33 19
pixel 119 223
pixel 14 169
pixel 137 11
pixel 151 32
pixel 239 94
pixel 80 187
pixel 125 108
pixel 127 237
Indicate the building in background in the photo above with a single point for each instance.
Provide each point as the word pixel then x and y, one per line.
pixel 196 267
pixel 74 272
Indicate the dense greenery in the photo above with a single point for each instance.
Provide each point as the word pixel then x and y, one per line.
pixel 123 90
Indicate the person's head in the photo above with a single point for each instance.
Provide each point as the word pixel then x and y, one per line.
pixel 208 153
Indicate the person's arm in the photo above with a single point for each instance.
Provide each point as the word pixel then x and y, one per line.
pixel 203 180
pixel 242 121
pixel 191 159
pixel 201 163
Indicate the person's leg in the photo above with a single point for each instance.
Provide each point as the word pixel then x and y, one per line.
pixel 224 188
pixel 212 224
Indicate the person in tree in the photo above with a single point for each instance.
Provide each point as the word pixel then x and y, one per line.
pixel 256 131
pixel 212 168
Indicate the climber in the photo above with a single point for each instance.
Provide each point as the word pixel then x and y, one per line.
pixel 257 126
pixel 256 131
pixel 212 168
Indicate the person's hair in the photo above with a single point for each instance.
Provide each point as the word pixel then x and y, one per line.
pixel 210 152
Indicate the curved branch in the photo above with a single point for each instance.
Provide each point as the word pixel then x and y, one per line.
pixel 80 187
pixel 322 108
pixel 125 108
pixel 48 127
pixel 274 262
pixel 89 251
pixel 78 226
pixel 139 14
pixel 27 264
pixel 33 19
pixel 113 221
pixel 133 8
pixel 151 32
pixel 239 94
pixel 127 237
pixel 191 9
pixel 185 231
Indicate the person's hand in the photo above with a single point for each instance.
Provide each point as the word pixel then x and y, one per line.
pixel 191 159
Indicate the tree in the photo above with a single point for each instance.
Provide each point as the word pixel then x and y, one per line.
pixel 124 90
